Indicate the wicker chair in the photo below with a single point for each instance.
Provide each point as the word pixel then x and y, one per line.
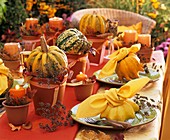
pixel 125 18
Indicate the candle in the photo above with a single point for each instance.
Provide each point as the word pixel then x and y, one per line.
pixel 12 48
pixel 144 39
pixel 56 22
pixel 129 37
pixel 31 23
pixel 17 92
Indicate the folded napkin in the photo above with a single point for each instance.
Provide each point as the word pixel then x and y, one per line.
pixel 113 104
pixel 4 71
pixel 118 55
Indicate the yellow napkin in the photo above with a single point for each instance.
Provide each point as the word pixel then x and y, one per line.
pixel 118 55
pixel 4 71
pixel 113 103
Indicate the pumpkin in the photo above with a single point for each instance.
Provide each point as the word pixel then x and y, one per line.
pixel 92 24
pixel 129 67
pixel 73 41
pixel 47 61
pixel 81 77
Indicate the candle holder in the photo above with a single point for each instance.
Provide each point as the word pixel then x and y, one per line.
pixel 31 35
pixel 17 104
pixel 11 55
pixel 146 50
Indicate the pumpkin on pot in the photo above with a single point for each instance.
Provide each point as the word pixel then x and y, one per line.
pixel 72 41
pixel 47 61
pixel 46 71
pixel 92 24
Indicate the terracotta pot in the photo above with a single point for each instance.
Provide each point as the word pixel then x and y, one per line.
pixel 47 92
pixel 145 54
pixel 77 64
pixel 98 44
pixel 83 91
pixel 17 115
pixel 12 65
pixel 30 42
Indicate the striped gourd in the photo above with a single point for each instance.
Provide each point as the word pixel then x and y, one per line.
pixel 73 41
pixel 47 61
pixel 92 24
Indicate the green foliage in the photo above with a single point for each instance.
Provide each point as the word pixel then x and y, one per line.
pixel 2 10
pixel 14 16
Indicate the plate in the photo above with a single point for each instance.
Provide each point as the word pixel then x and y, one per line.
pixel 113 79
pixel 137 121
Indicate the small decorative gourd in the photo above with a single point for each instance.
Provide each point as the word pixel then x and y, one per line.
pixel 73 41
pixel 92 24
pixel 81 77
pixel 47 61
pixel 129 67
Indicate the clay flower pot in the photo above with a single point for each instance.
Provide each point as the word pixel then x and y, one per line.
pixel 12 65
pixel 17 115
pixel 47 92
pixel 84 90
pixel 98 44
pixel 77 63
pixel 145 54
pixel 30 42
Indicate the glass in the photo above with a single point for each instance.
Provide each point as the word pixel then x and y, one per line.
pixel 24 55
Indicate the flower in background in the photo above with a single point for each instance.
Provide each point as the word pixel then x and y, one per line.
pixel 152 15
pixel 45 9
pixel 156 4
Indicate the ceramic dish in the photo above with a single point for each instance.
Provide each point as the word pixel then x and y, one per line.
pixel 113 79
pixel 137 121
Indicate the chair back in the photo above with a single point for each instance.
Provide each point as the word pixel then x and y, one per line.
pixel 125 18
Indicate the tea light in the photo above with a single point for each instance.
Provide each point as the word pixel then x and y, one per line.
pixel 145 39
pixel 17 92
pixel 31 23
pixel 129 36
pixel 56 22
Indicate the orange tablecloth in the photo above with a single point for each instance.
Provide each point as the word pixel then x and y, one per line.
pixel 63 133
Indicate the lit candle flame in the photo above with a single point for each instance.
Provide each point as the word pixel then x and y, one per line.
pixel 17 87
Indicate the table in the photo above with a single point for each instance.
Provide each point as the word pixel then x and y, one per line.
pixel 150 130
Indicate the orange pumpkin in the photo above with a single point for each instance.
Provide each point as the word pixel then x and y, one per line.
pixel 81 77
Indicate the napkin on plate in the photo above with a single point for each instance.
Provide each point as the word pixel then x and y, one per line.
pixel 118 55
pixel 113 104
pixel 4 71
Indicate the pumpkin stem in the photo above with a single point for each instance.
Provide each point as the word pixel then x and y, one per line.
pixel 44 45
